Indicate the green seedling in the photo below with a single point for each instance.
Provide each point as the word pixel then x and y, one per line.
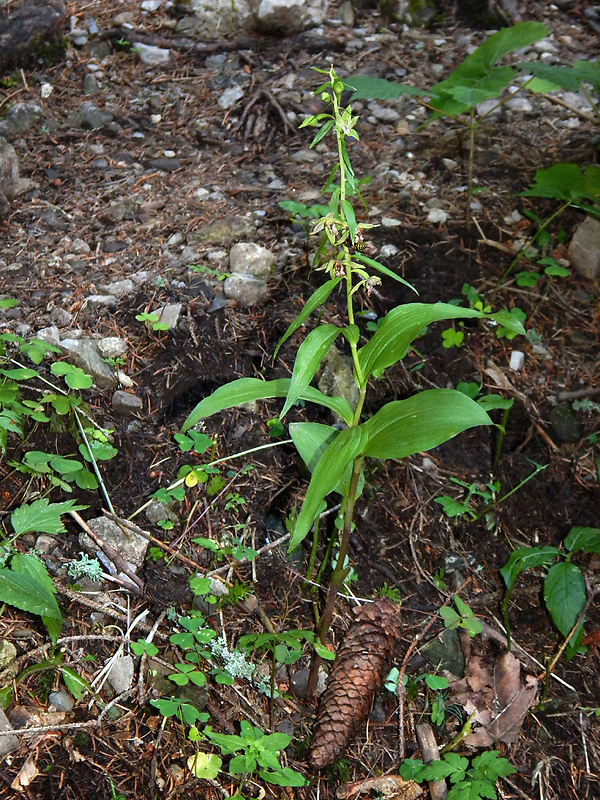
pixel 152 321
pixel 435 686
pixel 476 79
pixel 400 428
pixel 253 751
pixel 565 593
pixel 462 617
pixel 470 780
pixel 209 272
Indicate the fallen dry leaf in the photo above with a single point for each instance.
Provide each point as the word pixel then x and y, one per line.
pixel 27 774
pixel 500 703
pixel 391 787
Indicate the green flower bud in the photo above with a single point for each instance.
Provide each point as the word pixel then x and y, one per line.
pixel 326 97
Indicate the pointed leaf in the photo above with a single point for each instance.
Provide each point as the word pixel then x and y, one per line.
pixel 583 539
pixel 384 270
pixel 327 474
pixel 405 427
pixel 246 389
pixel 308 360
pixel 366 87
pixel 316 299
pixel 525 558
pixel 311 439
pixel 564 595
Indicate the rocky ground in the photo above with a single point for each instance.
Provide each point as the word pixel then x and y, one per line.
pixel 154 188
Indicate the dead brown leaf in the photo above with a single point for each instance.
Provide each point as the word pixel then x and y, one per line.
pixel 391 787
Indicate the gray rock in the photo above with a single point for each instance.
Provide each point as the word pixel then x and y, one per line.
pixel 108 300
pixel 156 512
pixel 411 12
pixel 165 164
pixel 125 403
pixel 150 55
pixel 90 85
pixel 61 700
pixel 176 239
pixel 91 118
pixel 130 545
pixel 119 288
pixel 251 259
pixel 168 315
pixel 245 290
pixel 11 184
pixel 519 104
pixel 20 118
pixel 565 425
pixel 230 97
pixel 117 212
pixel 299 682
pixel 7 743
pixel 337 379
pixel 383 113
pixel 112 347
pixel 223 232
pixel 61 317
pixel 290 16
pixel 120 676
pixel 8 653
pixel 584 250
pixel 445 653
pixel 84 354
pixel 44 544
pixel 114 246
pixel 50 335
pixel 214 19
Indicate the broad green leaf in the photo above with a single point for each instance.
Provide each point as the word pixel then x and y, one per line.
pixel 308 360
pixel 380 268
pixel 246 389
pixel 284 776
pixel 366 87
pixel 399 328
pixel 489 765
pixel 490 85
pixel 498 45
pixel 405 427
pixel 574 645
pixel 41 516
pixel 311 439
pixel 540 86
pixel 27 585
pixel 566 182
pixel 491 401
pixel 327 474
pixel 564 595
pixel 316 299
pixel 525 558
pixel 19 373
pixel 205 765
pixel 583 539
pixel 565 77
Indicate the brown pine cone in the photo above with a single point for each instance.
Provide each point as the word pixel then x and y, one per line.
pixel 359 669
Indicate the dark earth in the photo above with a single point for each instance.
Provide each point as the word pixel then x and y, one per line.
pixel 402 538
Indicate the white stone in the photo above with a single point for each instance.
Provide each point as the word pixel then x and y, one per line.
pixel 230 96
pixel 291 16
pixel 517 359
pixel 245 289
pixel 150 55
pixel 437 215
pixel 120 676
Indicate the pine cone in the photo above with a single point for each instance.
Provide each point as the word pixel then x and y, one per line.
pixel 359 669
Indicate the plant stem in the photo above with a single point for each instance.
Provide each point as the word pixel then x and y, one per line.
pixel 337 576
